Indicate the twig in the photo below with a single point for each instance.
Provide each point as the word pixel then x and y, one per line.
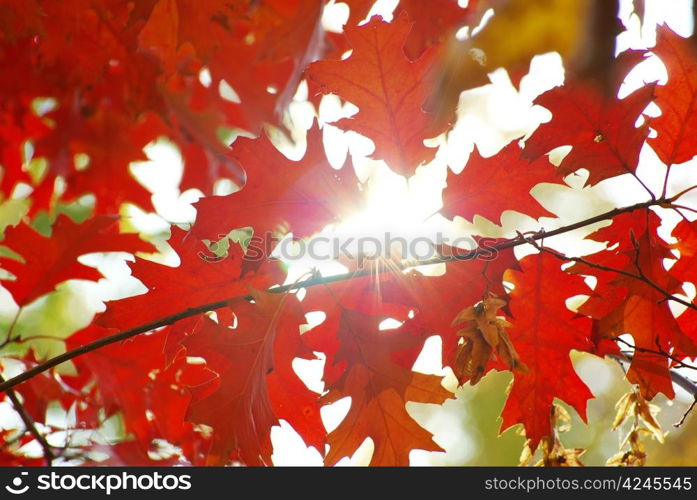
pixel 8 337
pixel 30 424
pixel 687 412
pixel 640 277
pixel 643 184
pixel 682 193
pixel 664 190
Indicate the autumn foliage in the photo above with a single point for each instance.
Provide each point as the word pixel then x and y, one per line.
pixel 202 359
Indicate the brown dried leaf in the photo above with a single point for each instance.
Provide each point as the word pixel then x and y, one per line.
pixel 484 333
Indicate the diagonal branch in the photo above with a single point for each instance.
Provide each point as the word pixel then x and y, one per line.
pixel 30 425
pixel 193 311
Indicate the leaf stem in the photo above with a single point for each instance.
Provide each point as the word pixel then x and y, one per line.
pixel 682 193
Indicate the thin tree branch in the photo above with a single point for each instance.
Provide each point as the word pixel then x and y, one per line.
pixel 640 277
pixel 8 337
pixel 30 425
pixel 687 412
pixel 193 311
pixel 678 379
pixel 661 352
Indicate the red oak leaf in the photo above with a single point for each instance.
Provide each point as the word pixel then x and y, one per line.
pixel 600 130
pixel 111 141
pixel 158 406
pixel 48 261
pixel 38 392
pixel 273 40
pixel 489 186
pixel 227 36
pixel 10 454
pixel 388 88
pixel 18 17
pixel 677 126
pixel 290 30
pixel 134 51
pixel 99 96
pixel 305 194
pixel 607 294
pixel 544 333
pixel 688 325
pixel 685 269
pixel 87 85
pixel 16 126
pixel 645 253
pixel 372 367
pixel 358 10
pixel 200 278
pixel 602 346
pixel 256 381
pixel 654 330
pixel 434 21
pixel 197 113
